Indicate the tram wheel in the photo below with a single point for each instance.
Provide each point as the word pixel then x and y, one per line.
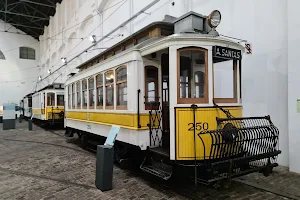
pixel 69 132
pixel 267 171
pixel 84 141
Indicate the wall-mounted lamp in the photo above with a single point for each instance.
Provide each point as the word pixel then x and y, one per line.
pixel 93 39
pixel 40 78
pixel 49 71
pixel 64 60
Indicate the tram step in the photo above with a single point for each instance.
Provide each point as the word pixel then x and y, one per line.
pixel 157 169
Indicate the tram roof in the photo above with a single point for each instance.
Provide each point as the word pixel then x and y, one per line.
pixel 153 31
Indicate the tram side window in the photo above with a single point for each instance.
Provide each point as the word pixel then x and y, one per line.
pixel 60 100
pixel 78 88
pixel 50 99
pixel 73 96
pixel 30 102
pixel 99 80
pixel 69 96
pixel 122 87
pixel 109 89
pixel 192 86
pixel 84 93
pixel 225 80
pixel 151 87
pixel 91 92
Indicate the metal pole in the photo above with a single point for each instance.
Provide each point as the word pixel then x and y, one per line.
pixel 138 108
pixel 104 37
pixel 5 14
pixel 194 107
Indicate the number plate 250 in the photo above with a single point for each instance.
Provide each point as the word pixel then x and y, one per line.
pixel 199 126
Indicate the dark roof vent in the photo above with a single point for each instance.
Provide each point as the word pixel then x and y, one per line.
pixel 191 22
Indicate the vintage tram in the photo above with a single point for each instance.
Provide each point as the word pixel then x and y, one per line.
pixel 174 88
pixel 48 105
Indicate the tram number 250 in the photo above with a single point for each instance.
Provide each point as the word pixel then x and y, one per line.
pixel 199 126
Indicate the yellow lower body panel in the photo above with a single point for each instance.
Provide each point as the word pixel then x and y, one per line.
pixel 124 120
pixel 38 111
pixel 205 120
pixel 50 112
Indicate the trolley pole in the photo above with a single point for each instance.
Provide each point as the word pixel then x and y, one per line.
pixel 194 107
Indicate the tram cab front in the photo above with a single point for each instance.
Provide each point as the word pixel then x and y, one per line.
pixel 192 92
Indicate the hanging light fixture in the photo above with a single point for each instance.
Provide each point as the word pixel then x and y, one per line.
pixel 93 38
pixel 64 60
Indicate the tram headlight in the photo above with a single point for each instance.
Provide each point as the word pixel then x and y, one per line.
pixel 214 19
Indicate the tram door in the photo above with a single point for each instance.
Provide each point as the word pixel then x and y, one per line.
pixel 165 100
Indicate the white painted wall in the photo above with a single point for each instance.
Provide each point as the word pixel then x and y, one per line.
pixel 17 76
pixel 263 23
pixel 293 84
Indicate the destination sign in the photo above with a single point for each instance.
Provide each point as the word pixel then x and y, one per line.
pixel 227 53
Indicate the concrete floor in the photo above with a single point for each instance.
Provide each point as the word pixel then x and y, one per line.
pixel 43 164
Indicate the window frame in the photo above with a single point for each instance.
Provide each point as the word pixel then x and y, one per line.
pixel 235 88
pixel 73 96
pixel 121 107
pixel 98 106
pixel 156 81
pixel 89 90
pixel 70 96
pixel 2 56
pixel 52 93
pixel 22 51
pixel 108 84
pixel 78 91
pixel 58 101
pixel 86 90
pixel 206 88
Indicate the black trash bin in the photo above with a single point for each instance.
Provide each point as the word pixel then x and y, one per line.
pixel 104 167
pixel 30 124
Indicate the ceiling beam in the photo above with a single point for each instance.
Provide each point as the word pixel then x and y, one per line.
pixel 37 3
pixel 23 15
pixel 35 9
pixel 26 26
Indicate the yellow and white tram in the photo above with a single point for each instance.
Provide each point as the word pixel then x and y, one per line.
pixel 174 88
pixel 48 105
pixel 26 105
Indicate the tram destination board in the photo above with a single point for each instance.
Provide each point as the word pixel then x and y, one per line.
pixel 227 53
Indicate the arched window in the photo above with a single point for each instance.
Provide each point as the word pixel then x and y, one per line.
pixel 86 22
pixel 99 82
pixel 192 76
pixel 91 92
pixel 121 87
pixel 109 89
pixel 27 53
pixel 2 57
pixel 151 86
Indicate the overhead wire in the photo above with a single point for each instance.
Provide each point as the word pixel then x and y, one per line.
pixel 89 34
pixel 63 30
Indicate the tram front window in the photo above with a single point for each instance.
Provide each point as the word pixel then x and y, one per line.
pixel 192 75
pixel 225 80
pixel 60 100
pixel 50 99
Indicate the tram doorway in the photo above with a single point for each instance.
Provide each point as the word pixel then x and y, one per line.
pixel 157 100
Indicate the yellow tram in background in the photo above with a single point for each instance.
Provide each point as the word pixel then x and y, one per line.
pixel 48 105
pixel 174 88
